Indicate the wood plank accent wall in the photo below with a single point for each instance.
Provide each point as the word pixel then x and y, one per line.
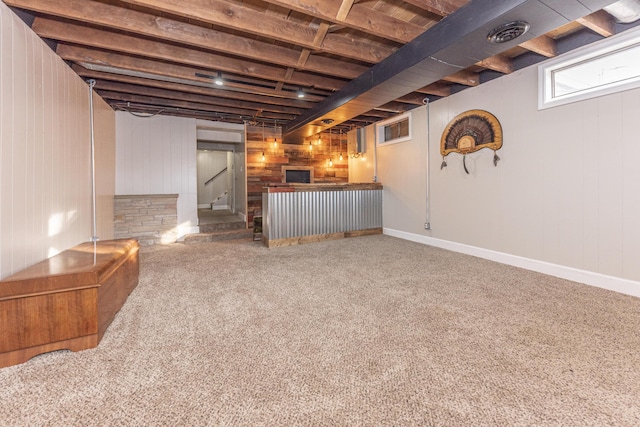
pixel 260 173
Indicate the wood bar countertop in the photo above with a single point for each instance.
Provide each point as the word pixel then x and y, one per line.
pixel 297 188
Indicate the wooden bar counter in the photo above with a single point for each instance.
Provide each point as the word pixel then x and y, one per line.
pixel 304 213
pixel 66 301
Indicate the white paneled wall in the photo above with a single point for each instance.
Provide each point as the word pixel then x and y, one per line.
pixel 157 155
pixel 564 199
pixel 104 124
pixel 45 182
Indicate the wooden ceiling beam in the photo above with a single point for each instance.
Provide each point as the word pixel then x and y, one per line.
pixel 321 33
pixel 87 36
pixel 195 98
pixel 241 18
pixel 464 77
pixel 542 45
pixel 105 15
pixel 161 69
pixel 201 90
pixel 395 107
pixel 173 103
pixel 414 98
pixel 304 56
pixel 352 49
pixel 178 112
pixel 600 22
pixel 497 63
pixel 441 88
pixel 373 116
pixel 360 17
pixel 437 7
pixel 237 17
pixel 343 11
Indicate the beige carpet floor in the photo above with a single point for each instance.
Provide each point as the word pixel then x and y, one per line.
pixel 370 331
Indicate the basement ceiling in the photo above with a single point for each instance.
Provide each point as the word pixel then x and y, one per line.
pixel 162 56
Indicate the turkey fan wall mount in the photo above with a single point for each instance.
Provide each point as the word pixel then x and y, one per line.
pixel 471 131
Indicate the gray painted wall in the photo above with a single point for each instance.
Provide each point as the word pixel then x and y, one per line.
pixel 564 198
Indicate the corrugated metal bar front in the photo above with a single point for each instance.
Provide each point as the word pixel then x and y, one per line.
pixel 308 213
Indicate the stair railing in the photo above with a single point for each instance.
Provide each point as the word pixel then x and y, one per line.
pixel 215 176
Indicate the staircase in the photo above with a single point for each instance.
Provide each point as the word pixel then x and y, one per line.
pixel 221 202
pixel 218 226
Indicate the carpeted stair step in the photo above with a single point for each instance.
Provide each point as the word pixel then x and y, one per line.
pixel 221 227
pixel 218 236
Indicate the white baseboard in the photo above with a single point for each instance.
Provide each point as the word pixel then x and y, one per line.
pixel 184 230
pixel 617 284
pixel 215 207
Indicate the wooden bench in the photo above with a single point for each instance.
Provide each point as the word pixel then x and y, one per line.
pixel 66 301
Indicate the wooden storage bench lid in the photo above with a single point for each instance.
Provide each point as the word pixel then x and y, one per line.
pixel 85 265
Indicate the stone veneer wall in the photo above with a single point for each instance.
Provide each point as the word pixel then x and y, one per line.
pixel 151 218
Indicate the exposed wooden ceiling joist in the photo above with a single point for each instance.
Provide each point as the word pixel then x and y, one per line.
pixel 600 22
pixel 163 55
pixel 202 90
pixel 125 88
pixel 438 7
pixel 131 45
pixel 247 20
pixel 358 17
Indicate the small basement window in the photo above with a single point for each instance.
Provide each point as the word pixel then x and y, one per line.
pixel 608 66
pixel 394 130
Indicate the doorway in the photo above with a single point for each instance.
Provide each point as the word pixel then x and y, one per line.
pixel 221 184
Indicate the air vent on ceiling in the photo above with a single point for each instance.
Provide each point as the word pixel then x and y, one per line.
pixel 507 32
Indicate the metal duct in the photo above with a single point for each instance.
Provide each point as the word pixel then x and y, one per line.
pixel 455 43
pixel 361 140
pixel 625 11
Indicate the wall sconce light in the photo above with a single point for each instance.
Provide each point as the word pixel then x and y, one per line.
pixel 330 146
pixel 275 136
pixel 218 80
pixel 310 146
pixel 262 157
